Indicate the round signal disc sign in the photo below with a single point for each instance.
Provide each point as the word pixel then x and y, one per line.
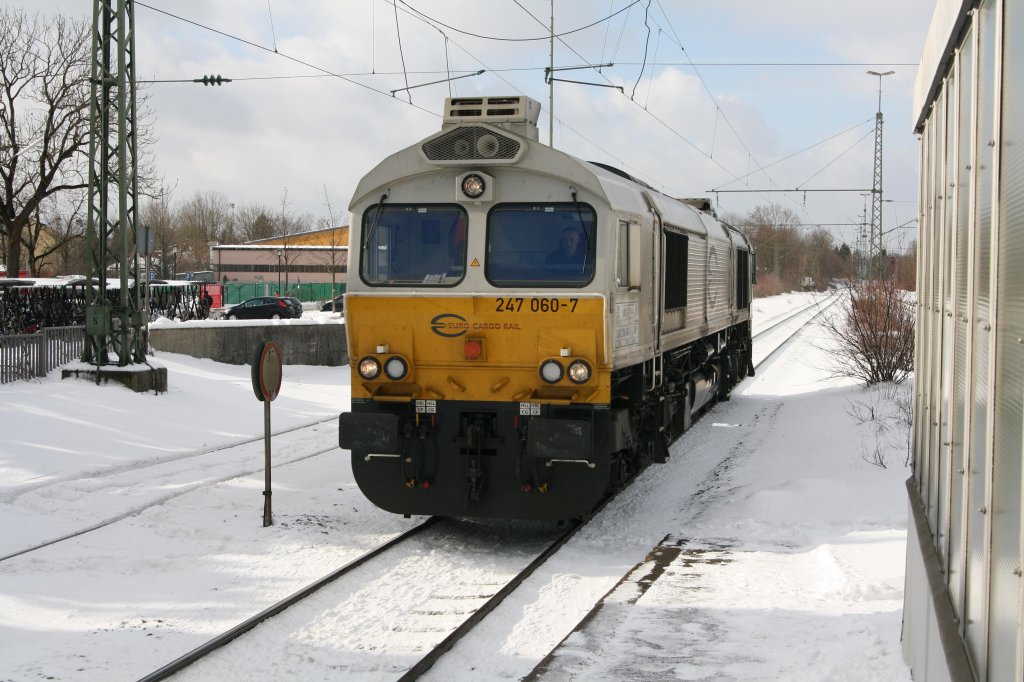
pixel 266 371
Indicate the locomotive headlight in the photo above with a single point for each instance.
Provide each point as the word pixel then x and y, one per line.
pixel 369 367
pixel 473 186
pixel 396 368
pixel 578 372
pixel 551 371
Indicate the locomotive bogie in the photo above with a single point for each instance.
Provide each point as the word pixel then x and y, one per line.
pixel 528 330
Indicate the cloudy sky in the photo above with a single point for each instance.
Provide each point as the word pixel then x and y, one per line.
pixel 734 94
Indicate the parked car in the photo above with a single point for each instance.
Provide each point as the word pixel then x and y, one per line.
pixel 338 303
pixel 266 308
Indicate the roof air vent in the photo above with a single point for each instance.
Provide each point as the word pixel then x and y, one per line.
pixel 517 114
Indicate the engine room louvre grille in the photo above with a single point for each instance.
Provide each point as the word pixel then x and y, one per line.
pixel 471 143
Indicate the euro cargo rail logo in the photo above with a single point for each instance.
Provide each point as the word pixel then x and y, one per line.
pixel 449 325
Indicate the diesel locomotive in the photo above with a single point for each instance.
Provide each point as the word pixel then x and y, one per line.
pixel 528 330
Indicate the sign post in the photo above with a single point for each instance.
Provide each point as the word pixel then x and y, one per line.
pixel 266 383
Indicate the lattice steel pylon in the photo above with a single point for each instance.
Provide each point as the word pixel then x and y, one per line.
pixel 114 324
pixel 875 245
pixel 875 267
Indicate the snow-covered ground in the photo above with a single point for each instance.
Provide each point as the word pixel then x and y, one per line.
pixel 776 540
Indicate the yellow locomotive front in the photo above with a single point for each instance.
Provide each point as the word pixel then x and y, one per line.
pixel 480 380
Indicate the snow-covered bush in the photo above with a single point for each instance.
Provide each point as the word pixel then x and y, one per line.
pixel 874 341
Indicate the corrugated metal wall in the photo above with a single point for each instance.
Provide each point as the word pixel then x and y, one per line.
pixel 969 402
pixel 1004 639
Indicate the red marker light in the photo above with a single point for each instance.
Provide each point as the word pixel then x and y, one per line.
pixel 472 349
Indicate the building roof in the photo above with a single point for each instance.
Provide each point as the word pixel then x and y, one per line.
pixel 330 237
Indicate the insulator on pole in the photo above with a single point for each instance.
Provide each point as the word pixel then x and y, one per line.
pixel 212 80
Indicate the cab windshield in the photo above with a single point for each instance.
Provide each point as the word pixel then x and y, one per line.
pixel 550 245
pixel 405 245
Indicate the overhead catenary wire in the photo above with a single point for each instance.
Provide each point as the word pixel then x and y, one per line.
pixel 621 162
pixel 401 53
pixel 448 65
pixel 658 119
pixel 647 42
pixel 515 40
pixel 348 78
pixel 625 165
pixel 707 89
pixel 280 54
pixel 607 30
pixel 839 156
pixel 770 64
pixel 622 32
pixel 801 151
pixel 273 32
pixel 411 72
pixel 650 80
pixel 711 95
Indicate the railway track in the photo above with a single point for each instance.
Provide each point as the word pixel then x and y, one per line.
pixel 426 643
pixel 149 463
pixel 179 473
pixel 781 320
pixel 436 616
pixel 796 322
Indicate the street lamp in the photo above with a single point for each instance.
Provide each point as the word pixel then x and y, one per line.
pixel 880 75
pixel 278 254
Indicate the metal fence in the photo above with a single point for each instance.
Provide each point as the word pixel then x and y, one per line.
pixel 25 356
pixel 236 292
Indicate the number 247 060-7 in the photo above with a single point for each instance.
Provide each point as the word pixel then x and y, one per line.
pixel 536 305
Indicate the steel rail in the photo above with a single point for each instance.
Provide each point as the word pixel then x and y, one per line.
pixel 157 461
pixel 135 511
pixel 487 607
pixel 797 331
pixel 199 652
pixel 792 315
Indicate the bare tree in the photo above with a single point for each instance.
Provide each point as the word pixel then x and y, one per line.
pixel 158 215
pixel 787 252
pixel 288 226
pixel 55 242
pixel 253 222
pixel 818 258
pixel 334 258
pixel 44 85
pixel 199 220
pixel 904 268
pixel 874 341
